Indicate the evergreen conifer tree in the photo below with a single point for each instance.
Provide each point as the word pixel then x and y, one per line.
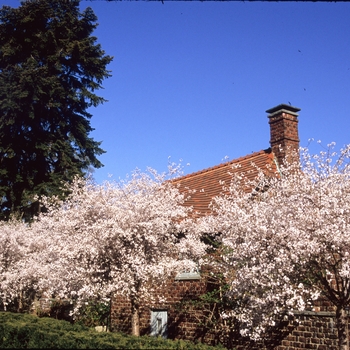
pixel 50 67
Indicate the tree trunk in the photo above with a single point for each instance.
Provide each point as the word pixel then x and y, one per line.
pixel 342 327
pixel 20 302
pixel 135 320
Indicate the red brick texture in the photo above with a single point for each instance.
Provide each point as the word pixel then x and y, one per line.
pixel 181 324
pixel 284 134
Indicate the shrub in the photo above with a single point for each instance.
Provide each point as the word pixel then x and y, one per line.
pixel 24 331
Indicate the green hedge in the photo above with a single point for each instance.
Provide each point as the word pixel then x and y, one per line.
pixel 24 331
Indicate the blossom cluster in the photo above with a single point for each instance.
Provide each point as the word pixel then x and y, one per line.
pixel 120 237
pixel 281 245
pixel 287 241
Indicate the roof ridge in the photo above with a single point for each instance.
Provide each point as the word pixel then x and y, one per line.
pixel 221 165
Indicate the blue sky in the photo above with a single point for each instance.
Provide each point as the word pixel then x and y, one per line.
pixel 192 80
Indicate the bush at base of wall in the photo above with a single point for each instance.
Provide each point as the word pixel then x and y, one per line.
pixel 23 331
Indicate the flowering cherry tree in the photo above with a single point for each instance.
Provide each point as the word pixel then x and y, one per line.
pixel 116 238
pixel 287 242
pixel 15 247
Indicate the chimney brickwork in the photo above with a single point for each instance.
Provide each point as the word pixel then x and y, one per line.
pixel 284 139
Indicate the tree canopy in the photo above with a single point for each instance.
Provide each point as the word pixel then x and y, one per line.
pixel 289 245
pixel 102 240
pixel 50 67
pixel 282 246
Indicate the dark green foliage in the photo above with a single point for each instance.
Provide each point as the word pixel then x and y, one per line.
pixel 91 314
pixel 23 331
pixel 50 67
pixel 94 313
pixel 59 309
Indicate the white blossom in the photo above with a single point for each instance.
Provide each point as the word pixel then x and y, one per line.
pixel 288 240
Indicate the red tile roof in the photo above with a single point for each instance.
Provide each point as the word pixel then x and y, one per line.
pixel 208 183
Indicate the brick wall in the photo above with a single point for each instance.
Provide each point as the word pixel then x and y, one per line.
pixel 181 324
pixel 314 330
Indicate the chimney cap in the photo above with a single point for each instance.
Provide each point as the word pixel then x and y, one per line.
pixel 285 108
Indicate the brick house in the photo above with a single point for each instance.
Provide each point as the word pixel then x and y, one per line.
pixel 283 120
pixel 169 319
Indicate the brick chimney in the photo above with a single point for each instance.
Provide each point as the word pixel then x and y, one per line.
pixel 283 120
